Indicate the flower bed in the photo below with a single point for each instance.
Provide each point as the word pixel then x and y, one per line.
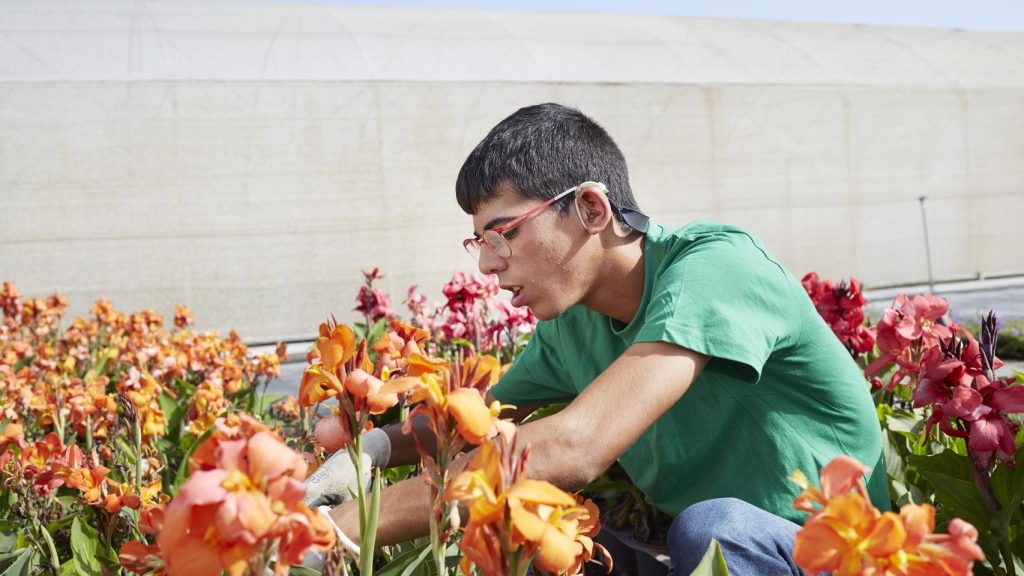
pixel 135 446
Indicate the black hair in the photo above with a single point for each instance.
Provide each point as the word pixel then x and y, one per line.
pixel 541 151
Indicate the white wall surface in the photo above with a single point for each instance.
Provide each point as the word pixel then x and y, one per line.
pixel 249 159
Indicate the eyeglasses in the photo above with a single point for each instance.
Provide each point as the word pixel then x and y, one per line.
pixel 494 238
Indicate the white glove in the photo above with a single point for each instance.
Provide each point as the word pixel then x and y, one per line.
pixel 335 480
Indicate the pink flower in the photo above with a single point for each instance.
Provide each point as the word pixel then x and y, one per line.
pixel 908 328
pixel 244 496
pixel 965 404
pixel 372 302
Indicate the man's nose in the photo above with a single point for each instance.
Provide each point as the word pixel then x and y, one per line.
pixel 490 262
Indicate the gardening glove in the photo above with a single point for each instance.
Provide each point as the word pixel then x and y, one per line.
pixel 335 480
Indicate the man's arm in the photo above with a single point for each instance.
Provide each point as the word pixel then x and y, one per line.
pixel 570 448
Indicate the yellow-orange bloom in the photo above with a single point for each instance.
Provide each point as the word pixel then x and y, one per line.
pixel 546 523
pixel 336 345
pixel 847 535
pixel 458 397
pixel 89 481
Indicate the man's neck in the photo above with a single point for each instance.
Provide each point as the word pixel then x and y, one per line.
pixel 619 285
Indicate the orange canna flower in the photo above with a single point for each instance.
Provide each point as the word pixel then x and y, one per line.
pixel 120 495
pixel 151 519
pixel 88 481
pixel 14 432
pixel 141 558
pixel 317 385
pixel 422 364
pixel 516 519
pixel 473 420
pixel 336 345
pixel 846 535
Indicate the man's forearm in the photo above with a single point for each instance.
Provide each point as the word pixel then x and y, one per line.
pixel 405 510
pixel 403 446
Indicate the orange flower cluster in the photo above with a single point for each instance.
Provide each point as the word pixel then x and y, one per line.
pixel 48 464
pixel 70 394
pixel 846 535
pixel 514 520
pixel 451 397
pixel 243 499
pixel 71 378
pixel 341 367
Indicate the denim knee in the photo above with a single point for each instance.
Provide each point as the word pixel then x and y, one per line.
pixel 753 541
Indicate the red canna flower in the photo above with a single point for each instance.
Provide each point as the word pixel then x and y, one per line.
pixel 842 308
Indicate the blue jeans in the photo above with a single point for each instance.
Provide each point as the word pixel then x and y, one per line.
pixel 754 542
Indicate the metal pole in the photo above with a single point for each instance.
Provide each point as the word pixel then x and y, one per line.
pixel 927 245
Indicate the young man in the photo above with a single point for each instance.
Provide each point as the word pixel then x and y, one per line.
pixel 690 355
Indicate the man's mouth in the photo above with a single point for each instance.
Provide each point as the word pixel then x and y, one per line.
pixel 517 293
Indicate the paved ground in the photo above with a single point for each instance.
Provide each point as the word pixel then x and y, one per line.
pixel 966 300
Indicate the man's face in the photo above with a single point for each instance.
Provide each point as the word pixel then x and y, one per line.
pixel 545 270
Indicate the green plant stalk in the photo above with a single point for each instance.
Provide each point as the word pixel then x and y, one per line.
pixel 440 519
pixel 368 540
pixel 137 445
pixel 355 453
pixel 88 433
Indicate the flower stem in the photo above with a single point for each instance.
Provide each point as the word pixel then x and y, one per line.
pixel 137 437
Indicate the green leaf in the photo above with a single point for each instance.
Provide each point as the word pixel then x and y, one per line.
pixel 8 541
pixel 902 421
pixel 174 412
pixel 406 563
pixel 895 463
pixel 265 401
pixel 22 565
pixel 947 463
pixel 301 571
pixel 959 498
pixel 182 474
pixel 85 545
pixel 1008 486
pixel 22 363
pixel 60 523
pixel 713 562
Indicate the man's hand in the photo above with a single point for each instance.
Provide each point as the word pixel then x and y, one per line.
pixel 335 480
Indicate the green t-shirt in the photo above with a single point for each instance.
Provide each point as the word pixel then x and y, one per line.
pixel 780 392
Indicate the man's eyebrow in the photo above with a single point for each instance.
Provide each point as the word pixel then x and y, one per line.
pixel 494 222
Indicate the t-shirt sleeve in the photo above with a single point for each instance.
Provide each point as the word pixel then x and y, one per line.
pixel 536 375
pixel 723 296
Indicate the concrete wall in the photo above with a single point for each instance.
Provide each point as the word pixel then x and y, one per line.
pixel 256 202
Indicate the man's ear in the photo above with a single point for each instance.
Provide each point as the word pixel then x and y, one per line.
pixel 594 210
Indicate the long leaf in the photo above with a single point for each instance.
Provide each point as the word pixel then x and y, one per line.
pixel 183 473
pixel 85 544
pixel 22 565
pixel 406 563
pixel 713 562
